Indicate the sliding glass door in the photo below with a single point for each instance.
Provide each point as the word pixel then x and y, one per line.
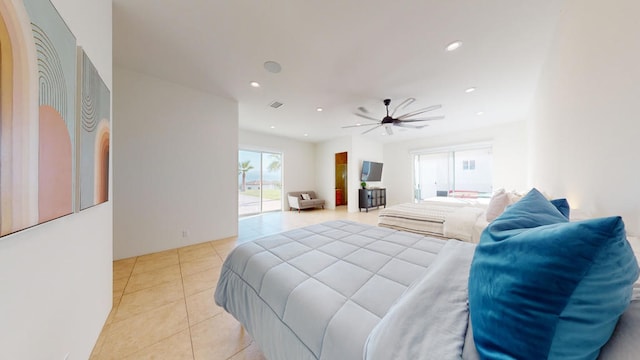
pixel 259 182
pixel 462 173
pixel 432 174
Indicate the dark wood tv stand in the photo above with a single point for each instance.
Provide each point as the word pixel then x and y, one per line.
pixel 369 198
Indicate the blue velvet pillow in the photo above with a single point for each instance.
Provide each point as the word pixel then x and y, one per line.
pixel 562 205
pixel 541 287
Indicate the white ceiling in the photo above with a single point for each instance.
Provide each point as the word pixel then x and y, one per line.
pixel 340 55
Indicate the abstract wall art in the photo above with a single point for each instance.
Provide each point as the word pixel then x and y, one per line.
pixel 94 134
pixel 38 79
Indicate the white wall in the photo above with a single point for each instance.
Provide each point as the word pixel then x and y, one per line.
pixel 358 149
pixel 326 169
pixel 176 159
pixel 509 158
pixel 298 165
pixel 584 124
pixel 363 149
pixel 56 278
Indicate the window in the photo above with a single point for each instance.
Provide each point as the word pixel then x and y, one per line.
pixel 464 171
pixel 259 182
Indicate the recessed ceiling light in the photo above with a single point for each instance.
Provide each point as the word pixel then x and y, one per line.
pixel 470 90
pixel 254 84
pixel 306 134
pixel 319 109
pixel 272 67
pixel 358 124
pixel 480 113
pixel 454 45
pixel 273 127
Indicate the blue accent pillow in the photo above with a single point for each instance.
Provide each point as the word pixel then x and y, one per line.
pixel 541 287
pixel 562 205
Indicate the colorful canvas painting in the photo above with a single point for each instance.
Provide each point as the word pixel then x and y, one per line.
pixel 94 135
pixel 38 115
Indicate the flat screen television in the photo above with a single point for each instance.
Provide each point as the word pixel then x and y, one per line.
pixel 371 171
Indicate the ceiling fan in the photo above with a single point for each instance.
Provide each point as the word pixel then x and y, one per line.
pixel 401 121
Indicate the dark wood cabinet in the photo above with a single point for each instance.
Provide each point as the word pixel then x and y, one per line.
pixel 369 198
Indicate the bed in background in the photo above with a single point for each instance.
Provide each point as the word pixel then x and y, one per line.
pixel 462 217
pixel 344 290
pixel 444 217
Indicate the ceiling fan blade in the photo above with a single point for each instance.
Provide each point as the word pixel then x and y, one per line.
pixel 389 130
pixel 367 117
pixel 370 130
pixel 352 126
pixel 430 118
pixel 421 111
pixel 403 105
pixel 410 126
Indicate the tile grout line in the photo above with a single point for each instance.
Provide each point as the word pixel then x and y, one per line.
pixel 186 311
pixel 138 314
pixel 117 307
pixel 186 308
pixel 147 272
pixel 241 350
pixel 112 314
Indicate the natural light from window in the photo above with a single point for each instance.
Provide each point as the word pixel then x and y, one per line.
pixel 463 172
pixel 259 182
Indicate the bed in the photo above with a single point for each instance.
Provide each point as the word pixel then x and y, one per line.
pixel 345 290
pixel 320 291
pixel 445 217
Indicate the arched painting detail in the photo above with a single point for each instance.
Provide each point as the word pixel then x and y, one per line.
pixel 37 77
pixel 101 169
pixel 94 136
pixel 18 120
pixel 54 170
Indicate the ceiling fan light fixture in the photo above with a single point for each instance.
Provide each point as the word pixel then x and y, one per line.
pixel 407 120
pixel 454 45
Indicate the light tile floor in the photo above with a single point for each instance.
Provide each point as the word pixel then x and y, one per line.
pixel 163 305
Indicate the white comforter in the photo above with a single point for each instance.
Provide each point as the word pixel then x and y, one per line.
pixel 430 320
pixel 465 224
pixel 318 292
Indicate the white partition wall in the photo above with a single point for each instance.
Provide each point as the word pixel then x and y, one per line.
pixel 584 125
pixel 176 162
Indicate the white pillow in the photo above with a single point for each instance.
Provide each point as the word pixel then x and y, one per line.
pixel 305 196
pixel 515 196
pixel 498 203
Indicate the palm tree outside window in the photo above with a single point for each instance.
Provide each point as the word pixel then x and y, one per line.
pixel 259 182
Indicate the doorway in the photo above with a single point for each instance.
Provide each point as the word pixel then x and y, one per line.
pixel 259 182
pixel 341 178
